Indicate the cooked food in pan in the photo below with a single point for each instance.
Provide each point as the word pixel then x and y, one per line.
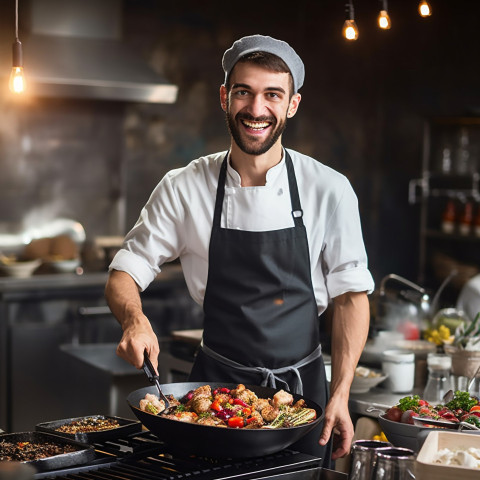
pixel 232 408
pixel 29 451
pixel 88 424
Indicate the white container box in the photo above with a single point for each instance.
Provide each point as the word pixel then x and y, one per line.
pixel 426 469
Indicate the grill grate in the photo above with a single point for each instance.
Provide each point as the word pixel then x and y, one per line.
pixel 143 457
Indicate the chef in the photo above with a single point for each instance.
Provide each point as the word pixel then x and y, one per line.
pixel 267 237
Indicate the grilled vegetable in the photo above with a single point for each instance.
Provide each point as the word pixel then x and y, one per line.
pixel 290 417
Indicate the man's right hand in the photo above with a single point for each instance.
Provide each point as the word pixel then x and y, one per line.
pixel 123 298
pixel 137 338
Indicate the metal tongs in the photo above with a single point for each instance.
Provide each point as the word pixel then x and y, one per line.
pixel 421 421
pixel 154 379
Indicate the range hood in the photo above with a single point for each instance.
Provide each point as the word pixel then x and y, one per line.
pixel 73 49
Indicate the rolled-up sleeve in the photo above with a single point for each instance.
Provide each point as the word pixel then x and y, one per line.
pixel 344 257
pixel 156 238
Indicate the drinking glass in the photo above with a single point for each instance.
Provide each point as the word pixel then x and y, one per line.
pixel 364 454
pixel 395 464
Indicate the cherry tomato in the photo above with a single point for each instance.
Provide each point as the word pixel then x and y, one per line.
pixel 216 406
pixel 236 422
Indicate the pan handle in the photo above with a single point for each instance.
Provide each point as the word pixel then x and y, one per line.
pixel 148 368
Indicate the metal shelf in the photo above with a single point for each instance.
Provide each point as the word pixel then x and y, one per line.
pixel 434 185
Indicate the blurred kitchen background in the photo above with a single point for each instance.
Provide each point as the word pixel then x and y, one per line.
pixel 393 111
pixel 95 159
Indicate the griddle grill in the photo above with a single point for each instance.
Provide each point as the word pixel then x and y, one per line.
pixel 143 457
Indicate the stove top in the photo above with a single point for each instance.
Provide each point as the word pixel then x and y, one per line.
pixel 142 457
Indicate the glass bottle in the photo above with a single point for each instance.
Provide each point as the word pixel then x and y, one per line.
pixel 438 382
pixel 448 217
pixel 477 222
pixel 466 219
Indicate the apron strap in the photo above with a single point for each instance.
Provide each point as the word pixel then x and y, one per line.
pixel 297 212
pixel 269 376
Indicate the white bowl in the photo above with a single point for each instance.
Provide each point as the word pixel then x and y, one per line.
pixel 63 266
pixel 19 269
pixel 363 384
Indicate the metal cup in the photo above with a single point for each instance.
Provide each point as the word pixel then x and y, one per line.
pixel 364 454
pixel 395 464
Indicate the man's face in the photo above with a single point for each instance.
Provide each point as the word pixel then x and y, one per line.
pixel 257 107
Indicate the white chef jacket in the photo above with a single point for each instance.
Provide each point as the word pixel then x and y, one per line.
pixel 177 220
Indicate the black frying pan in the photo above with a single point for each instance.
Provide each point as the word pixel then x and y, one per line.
pixel 219 442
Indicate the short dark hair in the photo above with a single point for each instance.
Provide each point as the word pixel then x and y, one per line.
pixel 268 61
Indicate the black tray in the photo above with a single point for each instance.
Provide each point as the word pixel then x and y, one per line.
pixel 126 427
pixel 83 454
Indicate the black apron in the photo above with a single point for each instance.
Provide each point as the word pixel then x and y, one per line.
pixel 261 322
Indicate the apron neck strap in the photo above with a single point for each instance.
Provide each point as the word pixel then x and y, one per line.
pixel 297 212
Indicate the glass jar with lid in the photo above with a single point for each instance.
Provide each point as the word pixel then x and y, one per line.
pixel 438 383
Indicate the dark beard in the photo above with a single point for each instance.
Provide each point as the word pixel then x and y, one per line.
pixel 254 148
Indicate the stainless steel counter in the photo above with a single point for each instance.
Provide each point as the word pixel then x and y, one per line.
pixel 380 398
pixel 39 286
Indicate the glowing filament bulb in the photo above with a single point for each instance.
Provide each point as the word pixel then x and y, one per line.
pixel 384 20
pixel 424 9
pixel 17 80
pixel 350 30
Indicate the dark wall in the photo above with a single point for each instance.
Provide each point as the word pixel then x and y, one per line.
pixel 362 111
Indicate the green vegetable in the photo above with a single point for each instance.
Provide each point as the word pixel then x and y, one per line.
pixel 409 403
pixel 293 417
pixel 151 409
pixel 462 400
pixel 474 420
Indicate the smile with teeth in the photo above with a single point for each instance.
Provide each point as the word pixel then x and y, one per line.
pixel 256 125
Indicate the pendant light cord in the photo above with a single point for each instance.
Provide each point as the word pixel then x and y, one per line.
pixel 16 19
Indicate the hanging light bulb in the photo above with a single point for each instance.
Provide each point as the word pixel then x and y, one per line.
pixel 424 9
pixel 350 29
pixel 383 17
pixel 17 78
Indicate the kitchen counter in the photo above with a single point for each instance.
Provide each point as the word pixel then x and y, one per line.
pixel 41 286
pixel 380 398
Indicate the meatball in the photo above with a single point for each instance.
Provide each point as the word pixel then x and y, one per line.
pixel 243 394
pixel 222 397
pixel 282 398
pixel 150 401
pixel 256 420
pixel 270 413
pixel 201 404
pixel 260 404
